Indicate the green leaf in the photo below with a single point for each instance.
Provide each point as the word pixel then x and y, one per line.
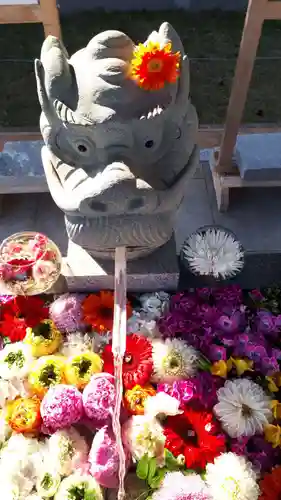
pixel 171 461
pixel 142 468
pixel 152 468
pixel 156 481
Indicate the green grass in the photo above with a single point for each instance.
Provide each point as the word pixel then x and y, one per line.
pixel 205 35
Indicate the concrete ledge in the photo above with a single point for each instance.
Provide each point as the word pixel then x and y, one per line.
pixel 258 157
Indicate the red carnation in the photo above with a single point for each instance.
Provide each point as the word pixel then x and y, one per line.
pixel 20 313
pixel 137 362
pixel 193 434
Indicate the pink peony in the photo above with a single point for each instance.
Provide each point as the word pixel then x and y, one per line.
pixel 104 458
pixel 61 407
pixel 99 399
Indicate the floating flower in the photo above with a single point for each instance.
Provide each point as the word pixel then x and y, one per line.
pixel 61 407
pixel 231 477
pixel 143 435
pixel 99 399
pixel 153 66
pixel 79 368
pixel 193 434
pixel 137 361
pixel 20 313
pixel 79 486
pixel 66 312
pixel 98 311
pixel 24 415
pixel 270 485
pixel 173 359
pixel 15 361
pixel 44 339
pixel 46 372
pixel 104 459
pixel 67 449
pixel 272 434
pixel 47 483
pixel 243 408
pixel 213 252
pixel 177 486
pixel 134 398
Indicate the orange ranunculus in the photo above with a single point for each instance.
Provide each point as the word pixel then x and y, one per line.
pixel 24 415
pixel 153 66
pixel 134 398
pixel 98 311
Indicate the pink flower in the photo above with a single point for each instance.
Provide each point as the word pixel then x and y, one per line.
pixel 104 459
pixel 66 312
pixel 99 399
pixel 177 486
pixel 61 407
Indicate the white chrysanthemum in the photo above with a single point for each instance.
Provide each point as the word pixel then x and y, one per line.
pixel 67 448
pixel 143 435
pixel 9 490
pixel 177 486
pixel 15 361
pixel 173 359
pixel 213 252
pixel 5 429
pixel 82 486
pixel 10 389
pixel 243 408
pixel 231 477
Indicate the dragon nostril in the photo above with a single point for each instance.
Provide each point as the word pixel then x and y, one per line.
pixel 136 203
pixel 98 206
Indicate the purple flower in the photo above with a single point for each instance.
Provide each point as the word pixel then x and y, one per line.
pixel 256 295
pixel 217 353
pixel 183 302
pixel 226 296
pixel 276 353
pixel 206 387
pixel 208 314
pixel 269 365
pixel 267 323
pixel 258 451
pixel 182 390
pixel 255 352
pixel 229 324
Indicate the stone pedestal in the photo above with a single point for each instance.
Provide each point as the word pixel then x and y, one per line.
pixel 158 271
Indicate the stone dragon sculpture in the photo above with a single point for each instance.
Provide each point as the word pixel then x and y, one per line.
pixel 117 158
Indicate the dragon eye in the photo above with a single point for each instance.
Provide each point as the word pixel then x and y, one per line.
pixel 149 144
pixel 82 148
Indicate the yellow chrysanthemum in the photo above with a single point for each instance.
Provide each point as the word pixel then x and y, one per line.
pixel 274 382
pixel 44 339
pixel 45 373
pixel 153 66
pixel 80 368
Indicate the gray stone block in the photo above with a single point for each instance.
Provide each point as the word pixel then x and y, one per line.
pixel 22 159
pixel 258 157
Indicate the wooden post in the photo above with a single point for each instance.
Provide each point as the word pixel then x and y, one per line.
pixel 43 11
pixel 50 18
pixel 244 67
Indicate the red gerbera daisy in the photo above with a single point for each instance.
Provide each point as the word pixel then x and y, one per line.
pixel 193 434
pixel 20 313
pixel 137 363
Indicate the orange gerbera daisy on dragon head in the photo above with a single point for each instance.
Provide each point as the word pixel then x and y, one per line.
pixel 153 66
pixel 98 309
